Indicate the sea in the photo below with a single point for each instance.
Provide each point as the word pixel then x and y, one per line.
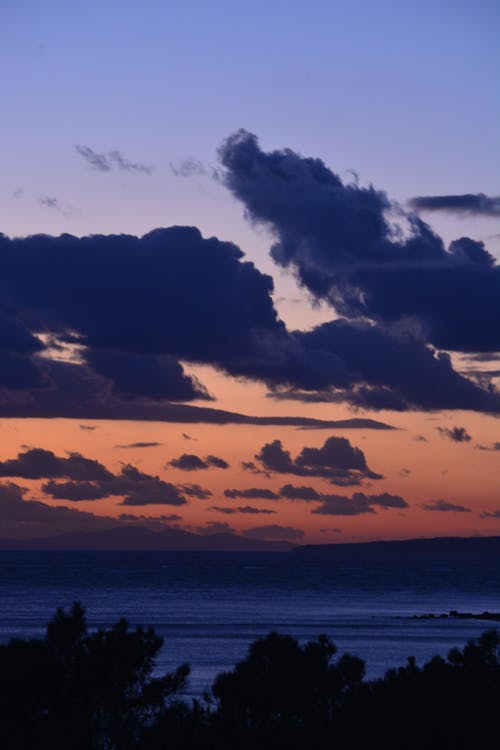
pixel 209 606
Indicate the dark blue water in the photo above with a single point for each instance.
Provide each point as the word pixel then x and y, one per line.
pixel 210 606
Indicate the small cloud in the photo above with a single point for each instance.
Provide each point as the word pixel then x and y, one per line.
pixel 139 445
pixel 194 490
pixel 492 447
pixel 445 507
pixel 491 514
pixel 471 204
pixel 248 509
pixel 456 434
pixel 193 168
pixel 252 493
pixel 87 427
pixel 420 439
pixel 50 201
pixel 107 161
pixel 192 462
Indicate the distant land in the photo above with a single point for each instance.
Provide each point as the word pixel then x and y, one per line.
pixel 137 538
pixel 451 548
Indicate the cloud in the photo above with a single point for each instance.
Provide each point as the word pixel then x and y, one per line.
pixel 110 160
pixel 130 353
pixel 492 447
pixel 74 491
pixel 337 460
pixel 140 376
pixel 139 445
pixel 193 168
pixel 456 434
pixel 136 487
pixel 444 506
pixel 353 248
pixel 292 492
pixel 194 490
pixel 274 532
pixel 252 493
pixel 359 503
pixel 87 427
pixel 37 463
pixel 475 204
pixel 248 509
pixel 490 514
pixel 192 462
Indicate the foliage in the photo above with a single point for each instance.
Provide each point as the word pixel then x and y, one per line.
pixel 75 690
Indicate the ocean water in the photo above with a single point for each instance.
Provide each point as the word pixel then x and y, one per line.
pixel 210 606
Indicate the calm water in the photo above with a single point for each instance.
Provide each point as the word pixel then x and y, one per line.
pixel 210 606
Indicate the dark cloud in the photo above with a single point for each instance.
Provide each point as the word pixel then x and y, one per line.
pixel 475 204
pixel 456 434
pixel 292 492
pixel 337 460
pixel 252 493
pixel 131 352
pixel 350 246
pixel 248 509
pixel 87 427
pixel 192 462
pixel 219 463
pixel 146 376
pixel 114 159
pixel 359 503
pixel 37 463
pixel 74 491
pixel 136 487
pixel 444 506
pixel 274 532
pixel 194 490
pixel 420 439
pixel 139 445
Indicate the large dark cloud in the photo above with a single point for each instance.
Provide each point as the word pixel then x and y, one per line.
pixel 37 463
pixel 337 460
pixel 343 245
pixel 475 204
pixel 137 307
pixel 146 376
pixel 359 503
pixel 136 487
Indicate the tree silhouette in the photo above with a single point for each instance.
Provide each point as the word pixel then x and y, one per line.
pixel 78 690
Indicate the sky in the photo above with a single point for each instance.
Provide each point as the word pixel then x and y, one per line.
pixel 250 268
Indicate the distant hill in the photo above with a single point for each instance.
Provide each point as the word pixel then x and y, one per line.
pixel 140 538
pixel 459 548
